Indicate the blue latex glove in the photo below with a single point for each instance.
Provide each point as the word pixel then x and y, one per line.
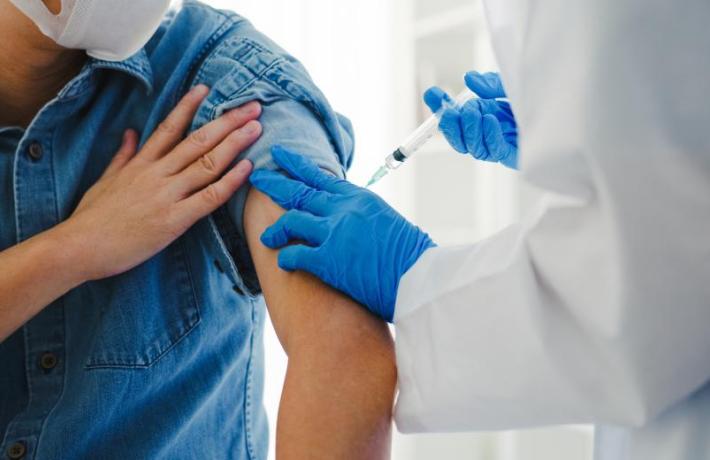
pixel 483 127
pixel 346 235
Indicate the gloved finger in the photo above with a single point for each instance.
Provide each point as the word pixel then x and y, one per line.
pixel 289 193
pixel 300 257
pixel 501 110
pixel 507 119
pixel 471 119
pixel 506 109
pixel 450 126
pixel 295 225
pixel 485 85
pixel 511 137
pixel 489 106
pixel 304 169
pixel 495 142
pixel 434 98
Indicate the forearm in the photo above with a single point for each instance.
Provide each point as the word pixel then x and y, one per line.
pixel 35 273
pixel 339 390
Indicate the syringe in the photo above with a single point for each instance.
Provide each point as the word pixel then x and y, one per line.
pixel 417 139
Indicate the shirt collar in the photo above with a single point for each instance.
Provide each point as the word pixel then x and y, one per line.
pixel 137 66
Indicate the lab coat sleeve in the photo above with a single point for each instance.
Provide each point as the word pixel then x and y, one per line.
pixel 597 308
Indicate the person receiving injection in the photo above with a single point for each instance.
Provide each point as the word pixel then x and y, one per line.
pixel 461 120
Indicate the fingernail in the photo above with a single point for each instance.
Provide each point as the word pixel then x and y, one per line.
pixel 244 167
pixel 199 90
pixel 253 127
pixel 251 108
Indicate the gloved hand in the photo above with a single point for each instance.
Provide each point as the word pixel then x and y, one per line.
pixel 483 127
pixel 348 237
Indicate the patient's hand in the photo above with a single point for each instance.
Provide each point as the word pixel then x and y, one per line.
pixel 141 204
pixel 145 201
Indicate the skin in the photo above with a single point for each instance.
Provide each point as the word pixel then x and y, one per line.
pixel 340 384
pixel 34 69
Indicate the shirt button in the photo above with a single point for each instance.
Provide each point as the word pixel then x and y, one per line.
pixel 17 451
pixel 48 361
pixel 35 151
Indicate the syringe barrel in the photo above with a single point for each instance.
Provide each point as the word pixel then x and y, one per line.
pixel 420 136
pixel 428 129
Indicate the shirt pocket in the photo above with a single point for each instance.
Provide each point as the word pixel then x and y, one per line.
pixel 144 313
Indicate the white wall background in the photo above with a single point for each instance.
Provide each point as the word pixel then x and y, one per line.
pixel 373 58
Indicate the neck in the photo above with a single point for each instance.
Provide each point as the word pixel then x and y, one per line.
pixel 33 69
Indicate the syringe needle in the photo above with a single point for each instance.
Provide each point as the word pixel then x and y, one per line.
pixel 382 172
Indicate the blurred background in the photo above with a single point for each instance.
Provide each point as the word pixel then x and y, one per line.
pixel 374 59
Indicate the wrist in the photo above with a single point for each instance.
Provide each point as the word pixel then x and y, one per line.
pixel 66 254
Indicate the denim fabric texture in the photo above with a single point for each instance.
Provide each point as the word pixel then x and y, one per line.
pixel 164 361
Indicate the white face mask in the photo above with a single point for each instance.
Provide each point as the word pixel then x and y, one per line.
pixel 111 30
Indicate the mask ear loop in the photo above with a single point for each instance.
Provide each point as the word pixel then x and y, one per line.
pixel 50 24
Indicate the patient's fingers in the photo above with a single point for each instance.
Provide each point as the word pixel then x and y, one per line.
pixel 209 136
pixel 124 154
pixel 209 199
pixel 210 166
pixel 171 131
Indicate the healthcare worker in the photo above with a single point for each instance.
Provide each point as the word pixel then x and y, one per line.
pixel 597 308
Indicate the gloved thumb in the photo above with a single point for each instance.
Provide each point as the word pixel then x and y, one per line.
pixel 485 85
pixel 434 98
pixel 300 257
pixel 295 225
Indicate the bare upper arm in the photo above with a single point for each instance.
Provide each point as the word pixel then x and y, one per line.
pixel 340 383
pixel 301 306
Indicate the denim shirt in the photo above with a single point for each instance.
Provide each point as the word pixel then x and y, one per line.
pixel 166 360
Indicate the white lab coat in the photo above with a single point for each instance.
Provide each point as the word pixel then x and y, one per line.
pixel 597 308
